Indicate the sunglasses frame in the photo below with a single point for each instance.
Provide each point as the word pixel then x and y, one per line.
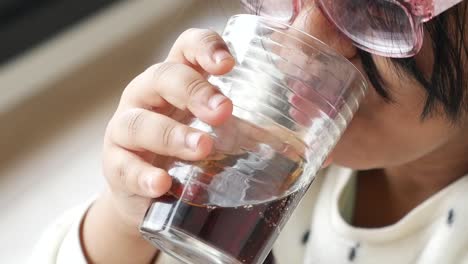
pixel 417 32
pixel 418 12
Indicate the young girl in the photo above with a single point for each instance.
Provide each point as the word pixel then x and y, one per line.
pixel 398 187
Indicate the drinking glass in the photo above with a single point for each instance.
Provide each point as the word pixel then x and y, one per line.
pixel 293 97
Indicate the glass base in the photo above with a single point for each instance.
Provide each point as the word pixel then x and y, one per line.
pixel 186 248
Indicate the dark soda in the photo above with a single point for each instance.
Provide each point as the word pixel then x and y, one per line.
pixel 228 208
pixel 242 232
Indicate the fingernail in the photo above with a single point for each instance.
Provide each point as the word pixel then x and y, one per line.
pixel 221 55
pixel 216 100
pixel 192 140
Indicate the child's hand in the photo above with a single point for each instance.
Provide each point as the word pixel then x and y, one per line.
pixel 146 127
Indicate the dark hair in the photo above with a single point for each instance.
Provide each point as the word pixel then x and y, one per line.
pixel 447 85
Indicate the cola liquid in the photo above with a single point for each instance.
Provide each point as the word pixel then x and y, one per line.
pixel 243 232
pixel 231 180
pixel 194 224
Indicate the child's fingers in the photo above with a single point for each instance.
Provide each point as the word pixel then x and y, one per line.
pixel 143 130
pixel 130 173
pixel 203 50
pixel 180 86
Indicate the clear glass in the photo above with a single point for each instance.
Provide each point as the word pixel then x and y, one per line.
pixel 293 97
pixel 282 10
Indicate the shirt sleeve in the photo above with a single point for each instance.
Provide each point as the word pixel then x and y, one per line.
pixel 60 243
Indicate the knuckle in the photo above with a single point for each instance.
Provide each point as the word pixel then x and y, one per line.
pixel 210 41
pixel 167 134
pixel 206 36
pixel 204 39
pixel 121 173
pixel 134 120
pixel 196 86
pixel 161 70
pixel 126 174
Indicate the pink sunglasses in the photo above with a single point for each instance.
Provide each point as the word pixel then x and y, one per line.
pixel 390 28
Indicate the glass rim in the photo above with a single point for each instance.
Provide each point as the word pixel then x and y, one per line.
pixel 324 48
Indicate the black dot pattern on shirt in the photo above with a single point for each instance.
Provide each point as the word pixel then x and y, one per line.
pixel 305 237
pixel 450 217
pixel 353 252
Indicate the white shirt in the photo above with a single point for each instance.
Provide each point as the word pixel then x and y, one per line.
pixel 435 232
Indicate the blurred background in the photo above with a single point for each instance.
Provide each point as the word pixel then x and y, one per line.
pixel 63 66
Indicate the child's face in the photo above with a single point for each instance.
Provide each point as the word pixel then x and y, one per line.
pixel 384 134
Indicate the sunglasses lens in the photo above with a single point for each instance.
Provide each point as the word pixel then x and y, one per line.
pixel 282 10
pixel 379 26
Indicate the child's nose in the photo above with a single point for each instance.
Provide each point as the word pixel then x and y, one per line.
pixel 312 20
